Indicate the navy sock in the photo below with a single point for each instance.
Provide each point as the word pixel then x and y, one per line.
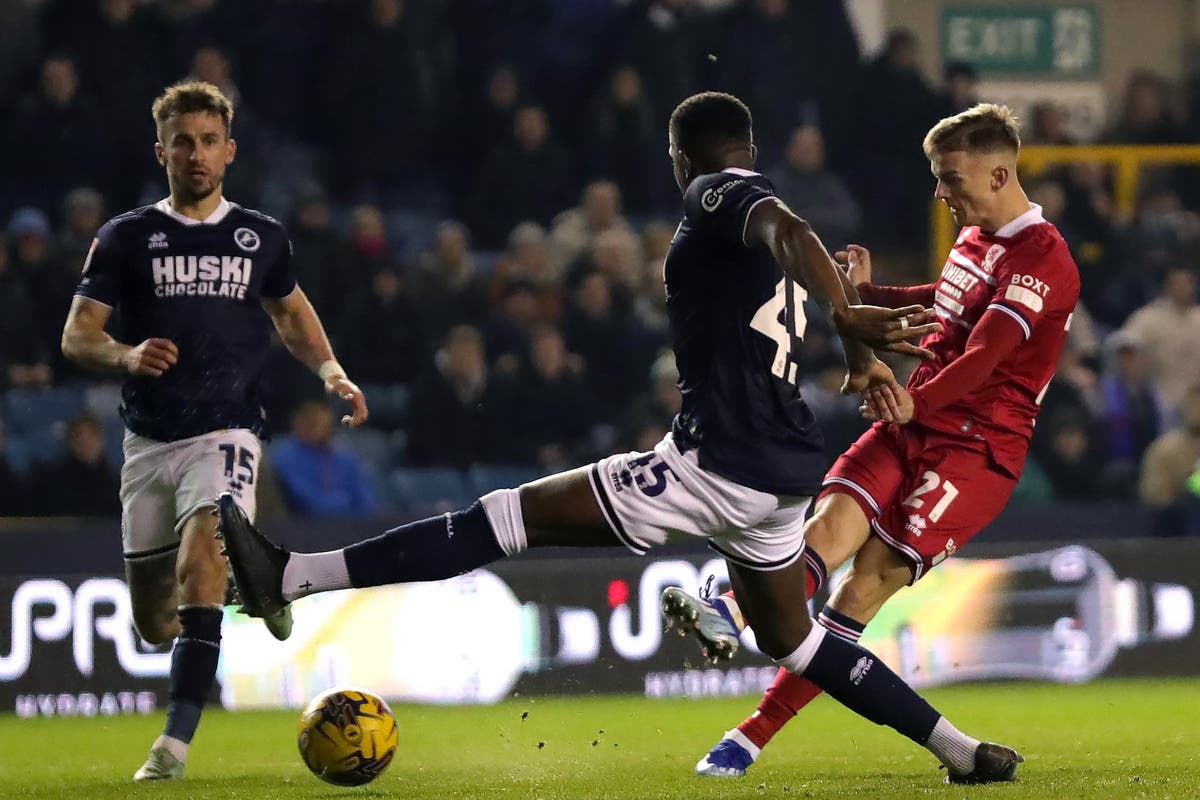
pixel 841 625
pixel 193 668
pixel 427 550
pixel 864 684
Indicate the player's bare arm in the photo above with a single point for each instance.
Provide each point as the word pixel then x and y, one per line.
pixel 86 343
pixel 302 333
pixel 802 256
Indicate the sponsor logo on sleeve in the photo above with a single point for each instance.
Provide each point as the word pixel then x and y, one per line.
pixel 1028 291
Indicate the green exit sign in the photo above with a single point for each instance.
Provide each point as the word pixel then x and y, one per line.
pixel 1050 41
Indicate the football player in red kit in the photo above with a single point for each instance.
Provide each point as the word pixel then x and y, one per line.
pixel 945 454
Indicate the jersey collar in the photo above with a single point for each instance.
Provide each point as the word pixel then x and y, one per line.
pixel 219 213
pixel 745 173
pixel 1031 217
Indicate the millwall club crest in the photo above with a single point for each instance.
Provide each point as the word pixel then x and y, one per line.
pixel 247 239
pixel 993 255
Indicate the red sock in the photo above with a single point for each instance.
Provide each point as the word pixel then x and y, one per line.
pixel 788 693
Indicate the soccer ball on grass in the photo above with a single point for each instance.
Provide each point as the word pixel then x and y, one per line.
pixel 347 736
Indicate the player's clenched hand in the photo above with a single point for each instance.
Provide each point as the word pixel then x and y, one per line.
pixel 342 387
pixel 152 357
pixel 888 403
pixel 858 263
pixel 891 329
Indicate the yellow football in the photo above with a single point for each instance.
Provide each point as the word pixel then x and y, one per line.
pixel 347 736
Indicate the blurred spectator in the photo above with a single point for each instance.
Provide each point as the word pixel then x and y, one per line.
pixel 465 415
pixel 960 88
pixel 527 260
pixel 14 495
pixel 49 283
pixel 380 339
pixel 61 141
pixel 1132 416
pixel 575 230
pixel 663 44
pixel 376 85
pixel 449 289
pixel 122 63
pixel 81 483
pixel 1048 124
pixel 19 42
pixel 83 214
pixel 650 302
pixel 526 179
pixel 617 255
pixel 652 412
pixel 890 171
pixel 553 405
pixel 507 332
pixel 1070 457
pixel 813 192
pixel 318 477
pixel 367 250
pixel 610 342
pixel 622 135
pixel 472 132
pixel 23 356
pixel 316 251
pixel 1171 468
pixel 1169 328
pixel 1147 115
pixel 841 423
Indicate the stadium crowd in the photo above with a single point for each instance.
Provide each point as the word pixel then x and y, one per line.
pixel 479 197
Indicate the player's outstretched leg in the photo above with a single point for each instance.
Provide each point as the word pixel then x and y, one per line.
pixel 559 510
pixel 774 604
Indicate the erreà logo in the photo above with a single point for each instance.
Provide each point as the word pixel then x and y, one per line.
pixel 713 195
pixel 860 670
pixel 157 241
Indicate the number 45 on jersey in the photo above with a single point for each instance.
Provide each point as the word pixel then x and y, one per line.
pixel 781 319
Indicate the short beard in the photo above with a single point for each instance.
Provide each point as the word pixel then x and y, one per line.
pixel 190 196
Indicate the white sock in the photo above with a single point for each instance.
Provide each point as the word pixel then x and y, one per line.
pixel 503 510
pixel 952 747
pixel 176 747
pixel 798 660
pixel 754 750
pixel 308 573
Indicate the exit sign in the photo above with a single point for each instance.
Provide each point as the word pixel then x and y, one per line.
pixel 1049 41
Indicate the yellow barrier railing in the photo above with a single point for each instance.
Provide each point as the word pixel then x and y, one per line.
pixel 1128 160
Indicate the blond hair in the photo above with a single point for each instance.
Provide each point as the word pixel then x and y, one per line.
pixel 191 96
pixel 984 128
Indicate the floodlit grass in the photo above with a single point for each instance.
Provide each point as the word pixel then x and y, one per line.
pixel 1110 739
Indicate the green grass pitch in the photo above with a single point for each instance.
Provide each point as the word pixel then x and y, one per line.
pixel 1110 739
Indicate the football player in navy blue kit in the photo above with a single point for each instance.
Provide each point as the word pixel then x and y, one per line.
pixel 739 468
pixel 200 282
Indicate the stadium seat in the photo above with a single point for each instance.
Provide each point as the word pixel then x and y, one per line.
pixel 375 449
pixel 388 404
pixel 426 491
pixel 27 450
pixel 36 410
pixel 484 478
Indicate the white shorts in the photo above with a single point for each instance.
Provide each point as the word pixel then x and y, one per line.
pixel 165 483
pixel 648 498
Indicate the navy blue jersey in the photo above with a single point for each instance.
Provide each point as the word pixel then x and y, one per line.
pixel 736 324
pixel 198 284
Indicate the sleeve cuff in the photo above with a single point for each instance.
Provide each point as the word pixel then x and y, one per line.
pixel 920 406
pixel 1017 316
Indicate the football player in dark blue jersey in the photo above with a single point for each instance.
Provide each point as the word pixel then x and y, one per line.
pixel 738 469
pixel 200 282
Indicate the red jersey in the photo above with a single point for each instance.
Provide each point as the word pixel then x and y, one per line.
pixel 1025 272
